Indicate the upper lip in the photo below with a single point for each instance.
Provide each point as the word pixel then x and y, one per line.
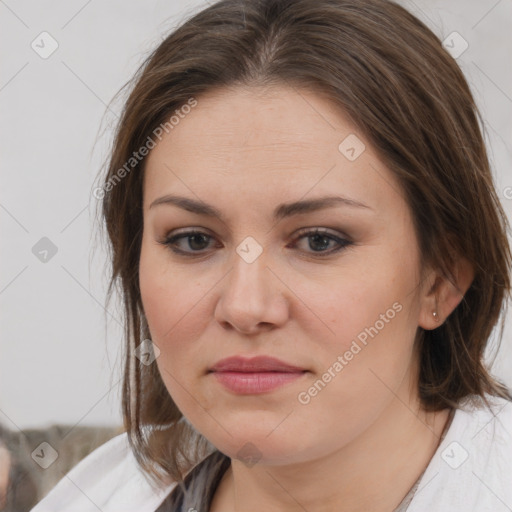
pixel 254 364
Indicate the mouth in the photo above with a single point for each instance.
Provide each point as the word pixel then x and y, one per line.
pixel 254 364
pixel 255 382
pixel 255 375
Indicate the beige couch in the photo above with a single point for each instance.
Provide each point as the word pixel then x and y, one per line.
pixel 29 468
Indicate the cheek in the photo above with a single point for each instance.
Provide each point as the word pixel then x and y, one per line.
pixel 163 304
pixel 361 305
pixel 367 334
pixel 167 293
pixel 363 364
pixel 177 311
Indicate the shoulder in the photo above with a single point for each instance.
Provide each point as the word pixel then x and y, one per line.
pixel 485 434
pixel 472 467
pixel 108 479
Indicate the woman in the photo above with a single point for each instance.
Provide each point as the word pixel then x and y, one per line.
pixel 312 257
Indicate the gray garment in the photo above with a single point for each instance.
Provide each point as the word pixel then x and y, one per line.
pixel 199 487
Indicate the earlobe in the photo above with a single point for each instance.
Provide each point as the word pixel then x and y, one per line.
pixel 444 295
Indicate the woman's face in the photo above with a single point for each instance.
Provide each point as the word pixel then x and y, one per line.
pixel 342 306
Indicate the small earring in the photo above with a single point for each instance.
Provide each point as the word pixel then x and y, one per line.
pixel 435 315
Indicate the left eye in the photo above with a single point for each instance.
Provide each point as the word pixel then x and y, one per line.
pixel 197 241
pixel 319 239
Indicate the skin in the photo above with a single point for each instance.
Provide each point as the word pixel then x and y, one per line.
pixel 363 440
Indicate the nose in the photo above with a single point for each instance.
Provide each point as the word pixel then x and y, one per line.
pixel 252 298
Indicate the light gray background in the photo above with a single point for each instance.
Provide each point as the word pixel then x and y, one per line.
pixel 58 361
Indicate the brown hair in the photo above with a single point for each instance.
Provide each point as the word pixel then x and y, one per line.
pixel 392 77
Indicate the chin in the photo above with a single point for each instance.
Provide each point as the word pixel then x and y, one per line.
pixel 252 444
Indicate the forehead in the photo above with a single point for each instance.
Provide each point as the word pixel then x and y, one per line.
pixel 256 142
pixel 258 119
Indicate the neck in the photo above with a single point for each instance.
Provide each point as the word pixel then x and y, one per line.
pixel 373 472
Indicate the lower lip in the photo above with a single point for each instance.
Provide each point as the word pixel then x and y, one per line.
pixel 252 383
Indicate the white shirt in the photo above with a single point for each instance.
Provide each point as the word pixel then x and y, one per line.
pixel 470 471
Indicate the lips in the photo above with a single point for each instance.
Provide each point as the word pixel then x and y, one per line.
pixel 256 364
pixel 256 375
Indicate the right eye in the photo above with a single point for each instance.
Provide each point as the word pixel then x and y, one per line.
pixel 195 240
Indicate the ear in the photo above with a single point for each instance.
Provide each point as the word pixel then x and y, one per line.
pixel 441 295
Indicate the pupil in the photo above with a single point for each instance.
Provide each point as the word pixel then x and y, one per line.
pixel 195 237
pixel 321 237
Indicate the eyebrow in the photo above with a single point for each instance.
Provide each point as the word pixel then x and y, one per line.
pixel 281 211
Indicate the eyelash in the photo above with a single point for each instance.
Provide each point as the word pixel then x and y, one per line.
pixel 170 242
